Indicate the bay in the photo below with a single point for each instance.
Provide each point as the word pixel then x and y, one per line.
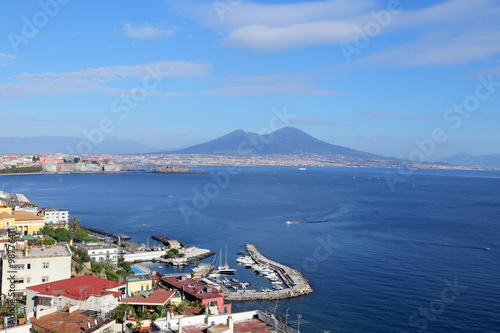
pixel 380 259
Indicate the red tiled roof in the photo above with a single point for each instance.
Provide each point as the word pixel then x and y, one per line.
pixel 158 297
pixel 192 287
pixel 79 288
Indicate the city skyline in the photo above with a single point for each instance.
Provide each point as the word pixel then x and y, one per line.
pixel 374 76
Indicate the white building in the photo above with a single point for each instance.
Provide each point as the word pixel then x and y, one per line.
pixel 55 216
pixel 78 293
pixel 29 267
pixel 102 252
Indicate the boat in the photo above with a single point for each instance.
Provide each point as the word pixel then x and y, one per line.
pixel 291 222
pixel 302 169
pixel 241 253
pixel 224 269
pixel 486 248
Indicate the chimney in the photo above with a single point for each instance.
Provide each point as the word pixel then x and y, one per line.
pixel 230 324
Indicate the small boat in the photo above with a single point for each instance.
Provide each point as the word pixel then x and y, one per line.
pixel 241 253
pixel 291 222
pixel 486 248
pixel 302 169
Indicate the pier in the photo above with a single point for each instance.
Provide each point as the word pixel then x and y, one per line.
pixel 296 283
pixel 105 233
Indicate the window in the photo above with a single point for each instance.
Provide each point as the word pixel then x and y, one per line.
pixel 45 279
pixel 44 301
pixel 18 267
pixel 19 280
pixel 28 266
pixel 45 265
pixel 28 280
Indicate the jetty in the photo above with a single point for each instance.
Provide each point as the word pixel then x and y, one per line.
pixel 105 233
pixel 296 283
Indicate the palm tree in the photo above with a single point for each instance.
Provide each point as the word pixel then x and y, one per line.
pixel 74 224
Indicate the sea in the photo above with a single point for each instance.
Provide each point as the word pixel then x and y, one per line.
pixel 384 250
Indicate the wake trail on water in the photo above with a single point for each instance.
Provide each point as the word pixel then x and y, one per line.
pixel 329 218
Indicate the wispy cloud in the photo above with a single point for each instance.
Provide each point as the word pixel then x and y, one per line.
pixel 148 31
pixel 301 89
pixel 5 59
pixel 98 80
pixel 38 119
pixel 378 114
pixel 442 34
pixel 311 121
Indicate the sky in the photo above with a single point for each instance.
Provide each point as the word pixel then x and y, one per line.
pixel 387 77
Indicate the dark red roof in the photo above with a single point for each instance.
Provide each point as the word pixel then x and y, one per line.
pixel 79 288
pixel 192 287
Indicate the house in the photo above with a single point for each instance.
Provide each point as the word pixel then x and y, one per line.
pixel 86 293
pixel 55 216
pixel 25 267
pixel 157 298
pixel 242 322
pixel 102 252
pixel 195 291
pixel 71 322
pixel 139 283
pixel 24 222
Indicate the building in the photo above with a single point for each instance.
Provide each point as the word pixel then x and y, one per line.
pixel 195 291
pixel 84 293
pixel 102 252
pixel 24 222
pixel 156 299
pixel 71 322
pixel 55 216
pixel 29 267
pixel 242 322
pixel 139 284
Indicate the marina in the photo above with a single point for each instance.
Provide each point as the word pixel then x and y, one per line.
pixel 295 283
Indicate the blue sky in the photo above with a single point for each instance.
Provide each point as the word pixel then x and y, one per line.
pixel 379 76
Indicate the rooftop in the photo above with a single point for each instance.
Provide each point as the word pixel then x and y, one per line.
pixel 79 288
pixel 157 298
pixel 60 250
pixel 138 277
pixel 248 326
pixel 192 287
pixel 74 322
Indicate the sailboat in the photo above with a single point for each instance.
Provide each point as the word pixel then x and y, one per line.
pixel 224 269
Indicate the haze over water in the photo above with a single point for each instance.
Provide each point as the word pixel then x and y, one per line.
pixel 409 260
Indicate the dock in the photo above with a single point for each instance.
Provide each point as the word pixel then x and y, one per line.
pixel 105 233
pixel 296 283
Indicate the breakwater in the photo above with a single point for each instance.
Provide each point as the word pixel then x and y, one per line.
pixel 105 233
pixel 296 283
pixel 165 240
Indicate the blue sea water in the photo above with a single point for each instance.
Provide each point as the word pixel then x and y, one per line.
pixel 380 259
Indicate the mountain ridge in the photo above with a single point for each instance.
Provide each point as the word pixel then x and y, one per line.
pixel 286 140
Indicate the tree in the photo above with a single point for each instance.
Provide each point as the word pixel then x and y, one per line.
pixel 122 311
pixel 63 235
pixel 74 224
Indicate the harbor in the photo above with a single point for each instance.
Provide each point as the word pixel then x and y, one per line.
pixel 296 284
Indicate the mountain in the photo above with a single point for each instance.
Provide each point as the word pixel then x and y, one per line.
pixel 287 140
pixel 486 161
pixel 69 145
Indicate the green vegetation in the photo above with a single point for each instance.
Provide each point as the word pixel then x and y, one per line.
pixel 15 169
pixel 48 242
pixel 110 275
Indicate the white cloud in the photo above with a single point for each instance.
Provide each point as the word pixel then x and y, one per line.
pixel 147 31
pixel 442 33
pixel 275 39
pixel 97 80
